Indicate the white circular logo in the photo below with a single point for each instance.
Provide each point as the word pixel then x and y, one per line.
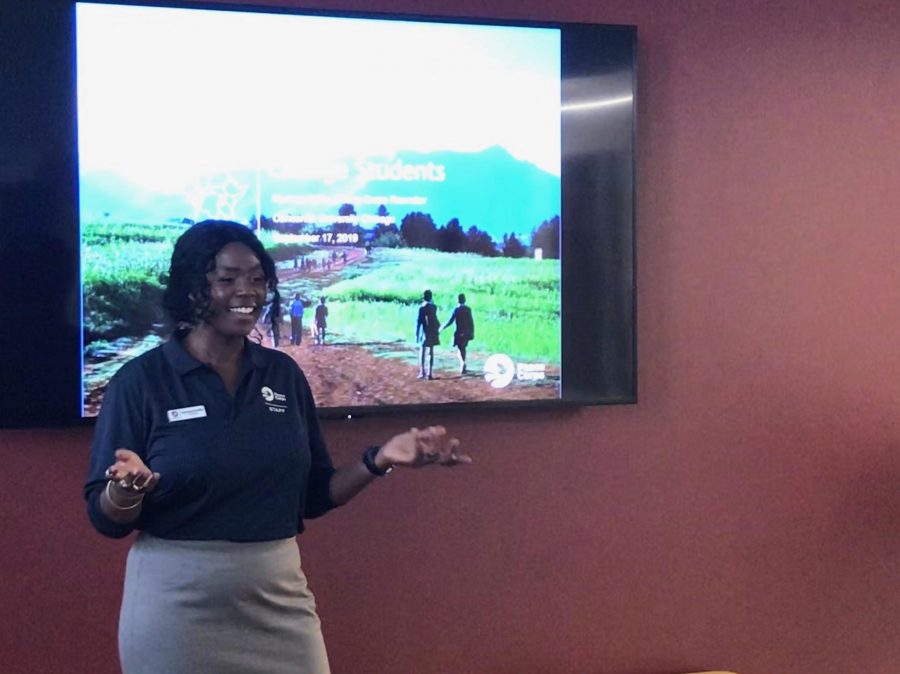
pixel 267 394
pixel 499 370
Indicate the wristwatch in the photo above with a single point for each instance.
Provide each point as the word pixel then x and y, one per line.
pixel 368 459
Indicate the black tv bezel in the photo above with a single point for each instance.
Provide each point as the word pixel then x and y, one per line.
pixel 45 383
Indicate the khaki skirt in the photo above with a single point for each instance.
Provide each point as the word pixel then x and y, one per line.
pixel 196 607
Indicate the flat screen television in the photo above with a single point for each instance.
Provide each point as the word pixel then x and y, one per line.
pixel 376 156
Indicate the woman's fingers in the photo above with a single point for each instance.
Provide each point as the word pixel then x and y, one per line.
pixel 132 481
pixel 123 454
pixel 128 461
pixel 433 445
pixel 141 480
pixel 427 449
pixel 149 483
pixel 425 446
pixel 458 458
pixel 130 472
pixel 452 456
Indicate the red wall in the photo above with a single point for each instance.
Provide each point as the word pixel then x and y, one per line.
pixel 744 515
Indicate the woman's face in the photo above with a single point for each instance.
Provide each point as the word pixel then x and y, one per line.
pixel 237 291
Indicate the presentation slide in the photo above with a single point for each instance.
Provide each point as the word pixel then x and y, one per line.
pixel 375 160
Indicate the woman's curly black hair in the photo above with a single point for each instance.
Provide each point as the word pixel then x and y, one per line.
pixel 186 296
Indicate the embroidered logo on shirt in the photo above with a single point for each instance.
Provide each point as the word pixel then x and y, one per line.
pixel 274 400
pixel 184 413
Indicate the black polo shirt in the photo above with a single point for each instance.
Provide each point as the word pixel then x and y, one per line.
pixel 247 468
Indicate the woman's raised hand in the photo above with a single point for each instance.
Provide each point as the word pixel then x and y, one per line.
pixel 131 474
pixel 423 447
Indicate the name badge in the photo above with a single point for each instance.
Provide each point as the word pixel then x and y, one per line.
pixel 184 413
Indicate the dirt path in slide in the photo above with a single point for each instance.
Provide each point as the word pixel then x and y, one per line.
pixel 347 374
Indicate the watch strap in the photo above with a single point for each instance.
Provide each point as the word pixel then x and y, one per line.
pixel 368 459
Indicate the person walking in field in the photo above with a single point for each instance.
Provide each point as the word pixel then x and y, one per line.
pixel 465 330
pixel 321 321
pixel 428 329
pixel 296 310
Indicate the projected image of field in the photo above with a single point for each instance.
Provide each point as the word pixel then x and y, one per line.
pixel 370 356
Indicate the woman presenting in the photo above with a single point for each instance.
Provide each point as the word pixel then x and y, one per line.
pixel 210 447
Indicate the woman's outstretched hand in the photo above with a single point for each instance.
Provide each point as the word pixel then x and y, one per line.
pixel 131 474
pixel 129 481
pixel 422 447
pixel 414 448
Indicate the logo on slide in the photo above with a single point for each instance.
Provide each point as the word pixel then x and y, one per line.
pixel 499 370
